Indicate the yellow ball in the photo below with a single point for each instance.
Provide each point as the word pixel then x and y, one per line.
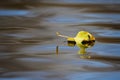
pixel 84 39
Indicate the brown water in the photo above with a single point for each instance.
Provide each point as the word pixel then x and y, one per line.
pixel 28 40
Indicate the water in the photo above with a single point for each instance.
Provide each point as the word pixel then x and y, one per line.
pixel 28 40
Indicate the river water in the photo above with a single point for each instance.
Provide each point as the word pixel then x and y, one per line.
pixel 28 39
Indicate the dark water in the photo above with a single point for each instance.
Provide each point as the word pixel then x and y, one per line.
pixel 28 40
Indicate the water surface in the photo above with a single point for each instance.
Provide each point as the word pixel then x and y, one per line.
pixel 28 40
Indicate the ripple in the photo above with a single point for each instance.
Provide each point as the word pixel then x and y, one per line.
pixel 4 12
pixel 85 1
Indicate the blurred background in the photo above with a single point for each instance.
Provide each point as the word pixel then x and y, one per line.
pixel 28 39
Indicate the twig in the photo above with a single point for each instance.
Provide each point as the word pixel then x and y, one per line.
pixel 58 34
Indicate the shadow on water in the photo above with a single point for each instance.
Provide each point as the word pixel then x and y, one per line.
pixel 28 40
